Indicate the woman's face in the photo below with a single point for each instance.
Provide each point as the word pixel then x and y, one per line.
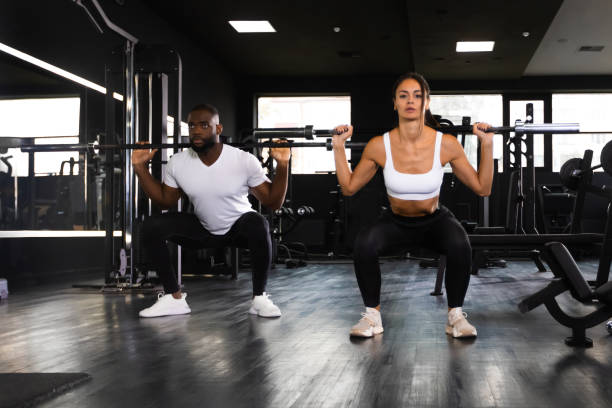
pixel 410 101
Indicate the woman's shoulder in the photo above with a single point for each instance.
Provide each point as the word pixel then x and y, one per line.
pixel 376 143
pixel 450 140
pixel 450 145
pixel 376 139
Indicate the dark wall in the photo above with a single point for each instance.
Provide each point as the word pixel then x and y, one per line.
pixel 60 33
pixel 36 261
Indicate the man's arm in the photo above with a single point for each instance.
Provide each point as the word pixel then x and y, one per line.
pixel 272 195
pixel 162 195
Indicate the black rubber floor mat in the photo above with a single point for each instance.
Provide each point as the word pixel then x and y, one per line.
pixel 29 389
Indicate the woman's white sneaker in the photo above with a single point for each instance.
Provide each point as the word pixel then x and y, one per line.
pixel 262 306
pixel 166 305
pixel 369 325
pixel 457 324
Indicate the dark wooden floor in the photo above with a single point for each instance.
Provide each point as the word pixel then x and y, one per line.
pixel 221 357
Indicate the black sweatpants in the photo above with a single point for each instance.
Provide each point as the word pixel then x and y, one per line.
pixel 439 231
pixel 249 231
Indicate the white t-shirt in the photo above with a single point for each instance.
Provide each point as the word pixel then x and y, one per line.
pixel 218 192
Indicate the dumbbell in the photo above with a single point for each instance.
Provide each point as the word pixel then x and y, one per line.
pixel 283 211
pixel 571 170
pixel 305 210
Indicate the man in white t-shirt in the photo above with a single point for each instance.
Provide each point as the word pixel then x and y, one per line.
pixel 217 179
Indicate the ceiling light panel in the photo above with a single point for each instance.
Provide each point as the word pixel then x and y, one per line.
pixel 252 26
pixel 475 46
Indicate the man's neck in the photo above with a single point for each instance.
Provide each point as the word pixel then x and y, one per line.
pixel 211 155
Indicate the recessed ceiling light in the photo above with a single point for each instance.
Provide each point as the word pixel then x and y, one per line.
pixel 337 29
pixel 252 26
pixel 526 34
pixel 591 48
pixel 475 46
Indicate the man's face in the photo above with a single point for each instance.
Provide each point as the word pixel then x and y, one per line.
pixel 204 130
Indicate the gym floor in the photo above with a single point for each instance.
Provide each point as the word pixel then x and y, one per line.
pixel 219 356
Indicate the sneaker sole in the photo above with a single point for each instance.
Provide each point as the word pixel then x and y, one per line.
pixel 166 314
pixel 364 335
pixel 450 332
pixel 255 312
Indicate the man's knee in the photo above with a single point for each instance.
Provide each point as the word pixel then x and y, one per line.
pixel 255 223
pixel 152 226
pixel 161 226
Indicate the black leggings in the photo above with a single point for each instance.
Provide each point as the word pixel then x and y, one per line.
pixel 249 231
pixel 439 231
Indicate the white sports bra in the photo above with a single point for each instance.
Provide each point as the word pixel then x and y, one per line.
pixel 407 186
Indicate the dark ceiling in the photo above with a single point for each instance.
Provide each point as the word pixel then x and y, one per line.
pixel 384 37
pixel 381 38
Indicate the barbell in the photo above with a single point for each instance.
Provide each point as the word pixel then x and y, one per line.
pixel 306 132
pixel 309 133
pixel 571 171
pixel 95 147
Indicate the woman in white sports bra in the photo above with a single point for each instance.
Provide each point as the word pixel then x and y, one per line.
pixel 412 156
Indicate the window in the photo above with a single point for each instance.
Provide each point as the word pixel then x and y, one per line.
pixel 170 134
pixel 48 120
pixel 480 108
pixel 592 111
pixel 323 112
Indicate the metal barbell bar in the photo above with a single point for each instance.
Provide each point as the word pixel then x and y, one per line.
pixel 92 147
pixel 309 133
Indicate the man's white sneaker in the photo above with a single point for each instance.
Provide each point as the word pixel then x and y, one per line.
pixel 166 305
pixel 262 306
pixel 369 325
pixel 457 324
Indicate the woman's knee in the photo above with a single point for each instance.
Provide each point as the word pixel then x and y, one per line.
pixel 459 252
pixel 455 242
pixel 367 244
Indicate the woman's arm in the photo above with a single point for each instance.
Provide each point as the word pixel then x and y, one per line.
pixel 478 181
pixel 352 181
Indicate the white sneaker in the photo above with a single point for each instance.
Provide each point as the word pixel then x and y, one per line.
pixel 262 306
pixel 166 305
pixel 369 325
pixel 457 324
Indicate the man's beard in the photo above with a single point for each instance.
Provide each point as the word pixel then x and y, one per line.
pixel 203 148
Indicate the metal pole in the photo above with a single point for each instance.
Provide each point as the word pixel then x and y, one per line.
pixel 130 104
